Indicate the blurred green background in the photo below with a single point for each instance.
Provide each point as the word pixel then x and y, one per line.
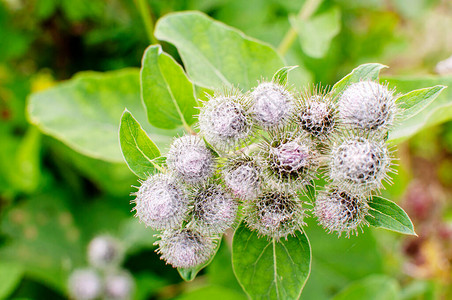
pixel 53 199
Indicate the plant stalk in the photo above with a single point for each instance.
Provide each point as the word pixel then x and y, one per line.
pixel 306 11
pixel 145 12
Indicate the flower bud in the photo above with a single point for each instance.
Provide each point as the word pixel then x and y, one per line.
pixel 161 202
pixel 359 164
pixel 214 209
pixel 185 248
pixel 276 214
pixel 119 286
pixel 84 284
pixel 190 159
pixel 224 121
pixel 104 251
pixel 290 158
pixel 367 105
pixel 341 211
pixel 243 177
pixel 272 105
pixel 316 114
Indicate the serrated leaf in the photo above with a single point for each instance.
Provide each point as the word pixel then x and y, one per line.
pixel 188 274
pixel 216 55
pixel 376 287
pixel 140 152
pixel 415 101
pixel 317 33
pixel 363 72
pixel 269 269
pixel 167 93
pixel 388 215
pixel 281 76
pixel 438 111
pixel 84 112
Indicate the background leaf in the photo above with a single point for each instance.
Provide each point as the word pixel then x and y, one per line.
pixel 10 276
pixel 84 112
pixel 415 101
pixel 166 91
pixel 388 215
pixel 138 149
pixel 362 72
pixel 376 287
pixel 216 55
pixel 268 269
pixel 317 33
pixel 437 112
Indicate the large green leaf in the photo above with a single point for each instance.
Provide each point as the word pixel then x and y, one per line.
pixel 362 72
pixel 317 33
pixel 84 112
pixel 216 55
pixel 376 287
pixel 140 152
pixel 388 215
pixel 270 269
pixel 166 91
pixel 10 276
pixel 435 112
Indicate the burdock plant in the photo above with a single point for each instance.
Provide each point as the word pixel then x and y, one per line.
pixel 259 160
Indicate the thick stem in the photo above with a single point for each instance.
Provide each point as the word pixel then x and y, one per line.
pixel 306 11
pixel 145 12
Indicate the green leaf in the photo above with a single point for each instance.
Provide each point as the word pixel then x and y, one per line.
pixel 376 287
pixel 167 93
pixel 436 111
pixel 140 152
pixel 281 76
pixel 362 72
pixel 269 269
pixel 415 101
pixel 10 276
pixel 188 274
pixel 84 112
pixel 43 238
pixel 388 215
pixel 216 55
pixel 332 258
pixel 317 33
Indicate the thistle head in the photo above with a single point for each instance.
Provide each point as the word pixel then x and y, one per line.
pixel 224 121
pixel 367 105
pixel 341 211
pixel 190 159
pixel 104 251
pixel 243 177
pixel 316 113
pixel 272 105
pixel 214 209
pixel 359 164
pixel 84 284
pixel 185 248
pixel 290 158
pixel 275 214
pixel 119 286
pixel 161 202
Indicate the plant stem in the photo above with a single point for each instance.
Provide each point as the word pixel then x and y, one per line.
pixel 145 12
pixel 306 11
